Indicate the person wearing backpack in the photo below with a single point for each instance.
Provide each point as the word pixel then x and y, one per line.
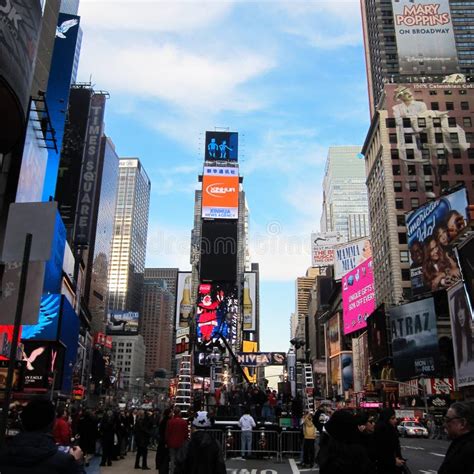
pixel 309 435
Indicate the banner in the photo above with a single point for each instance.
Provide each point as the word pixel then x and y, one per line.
pixel 222 146
pixel 184 312
pixel 425 37
pixel 358 296
pixel 250 302
pixel 349 256
pixel 220 193
pixel 461 326
pixel 465 255
pixel 430 230
pixel 261 359
pixel 122 322
pixel 414 339
pixel 322 248
pixel 333 336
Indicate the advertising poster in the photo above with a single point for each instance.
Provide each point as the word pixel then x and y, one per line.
pixel 221 146
pixel 261 359
pixel 122 322
pixel 465 254
pixel 425 37
pixel 220 193
pixel 48 321
pixel 358 381
pixel 358 296
pixel 250 302
pixel 430 230
pixel 377 335
pixel 347 371
pixel 414 339
pixel 335 374
pixel 333 335
pixel 349 256
pixel 461 325
pixel 18 375
pixel 184 312
pixel 322 248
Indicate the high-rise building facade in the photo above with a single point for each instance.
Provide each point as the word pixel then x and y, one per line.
pixel 130 236
pixel 345 208
pixel 440 44
pixel 157 318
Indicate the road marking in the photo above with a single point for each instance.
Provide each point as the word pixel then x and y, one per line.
pixel 437 454
pixel 294 467
pixel 414 447
pixel 427 472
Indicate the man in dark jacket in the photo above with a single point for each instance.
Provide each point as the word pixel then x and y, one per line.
pixel 142 430
pixel 459 424
pixel 34 451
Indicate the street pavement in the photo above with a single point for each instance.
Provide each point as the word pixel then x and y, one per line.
pixel 424 455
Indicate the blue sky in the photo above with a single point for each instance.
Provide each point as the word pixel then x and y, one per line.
pixel 288 76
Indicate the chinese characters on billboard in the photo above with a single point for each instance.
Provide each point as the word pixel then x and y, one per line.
pixel 425 37
pixel 430 229
pixel 322 248
pixel 358 296
pixel 348 256
pixel 222 146
pixel 220 193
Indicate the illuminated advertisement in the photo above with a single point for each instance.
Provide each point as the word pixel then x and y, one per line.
pixel 334 336
pixel 425 37
pixel 322 248
pixel 335 374
pixel 220 193
pixel 217 311
pixel 54 266
pixel 261 359
pixel 349 256
pixel 430 230
pixel 347 371
pixel 358 296
pixel 18 375
pixel 122 322
pixel 184 312
pixel 69 336
pixel 249 300
pixel 221 146
pixel 377 335
pixel 461 325
pixel 414 339
pixel 465 254
pixel 48 322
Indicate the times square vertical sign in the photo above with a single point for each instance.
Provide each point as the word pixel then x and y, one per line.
pixel 90 163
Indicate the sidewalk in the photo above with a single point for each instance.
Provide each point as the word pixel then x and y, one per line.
pixel 122 466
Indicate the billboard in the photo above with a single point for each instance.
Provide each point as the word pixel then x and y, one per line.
pixel 222 146
pixel 48 321
pixel 377 335
pixel 358 296
pixel 220 193
pixel 430 230
pixel 218 251
pixel 90 164
pixel 20 23
pixel 462 329
pixel 217 312
pixel 122 322
pixel 414 339
pixel 18 375
pixel 322 248
pixel 261 359
pixel 250 302
pixel 425 37
pixel 349 256
pixel 184 312
pixel 69 336
pixel 334 336
pixel 54 266
pixel 347 371
pixel 335 374
pixel 465 254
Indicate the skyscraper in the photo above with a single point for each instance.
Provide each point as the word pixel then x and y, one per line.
pixel 407 42
pixel 130 236
pixel 157 317
pixel 345 208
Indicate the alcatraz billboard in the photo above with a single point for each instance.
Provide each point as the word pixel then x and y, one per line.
pixel 425 37
pixel 220 193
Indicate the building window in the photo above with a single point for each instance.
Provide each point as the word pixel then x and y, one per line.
pixel 399 203
pixel 397 186
pixel 436 122
pixel 407 123
pixel 429 186
pixel 415 203
pixel 411 170
pixel 400 220
pixel 408 138
pixel 433 93
pixel 434 106
pixel 396 170
pixel 405 274
pixel 392 138
pixel 390 123
pixel 467 122
pixel 449 106
pixel 471 169
pixel 438 137
pixel 454 137
pixel 425 154
pixel 470 153
pixel 402 238
pixel 404 256
pixel 456 153
pixel 394 153
pixel 464 105
pixel 452 121
pixel 458 170
pixel 412 186
pixel 422 122
pixel 448 92
pixel 410 154
pixel 423 137
pixel 406 293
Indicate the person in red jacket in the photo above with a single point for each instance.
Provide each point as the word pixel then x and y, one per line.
pixel 62 429
pixel 176 434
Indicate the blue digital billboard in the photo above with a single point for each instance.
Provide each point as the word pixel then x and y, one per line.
pixel 54 266
pixel 222 146
pixel 47 327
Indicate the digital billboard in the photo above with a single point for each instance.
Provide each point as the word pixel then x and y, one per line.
pixel 218 251
pixel 249 300
pixel 48 321
pixel 69 336
pixel 377 335
pixel 414 339
pixel 53 274
pixel 222 146
pixel 18 375
pixel 334 336
pixel 335 374
pixel 217 312
pixel 348 256
pixel 358 296
pixel 347 370
pixel 122 322
pixel 465 254
pixel 322 248
pixel 220 193
pixel 184 312
pixel 425 37
pixel 430 230
pixel 261 359
pixel 462 330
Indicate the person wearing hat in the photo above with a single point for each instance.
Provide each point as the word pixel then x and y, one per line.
pixel 387 443
pixel 339 451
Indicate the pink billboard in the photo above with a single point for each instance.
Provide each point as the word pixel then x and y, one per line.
pixel 358 296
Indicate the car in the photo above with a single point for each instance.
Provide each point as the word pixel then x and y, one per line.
pixel 412 428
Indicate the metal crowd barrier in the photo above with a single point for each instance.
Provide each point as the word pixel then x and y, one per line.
pixel 265 443
pixel 291 443
pixel 218 435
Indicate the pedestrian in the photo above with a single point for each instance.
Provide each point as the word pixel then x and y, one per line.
pixel 339 452
pixel 176 434
pixel 202 454
pixel 107 436
pixel 320 417
pixel 142 439
pixel 459 424
pixel 387 443
pixel 62 429
pixel 87 431
pixel 246 423
pixel 162 458
pixel 33 451
pixel 366 426
pixel 132 419
pixel 309 435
